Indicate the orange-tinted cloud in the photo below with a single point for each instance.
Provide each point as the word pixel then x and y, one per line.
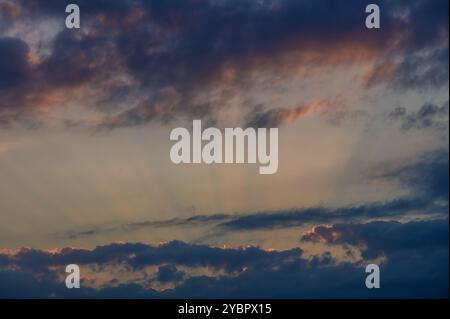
pixel 202 49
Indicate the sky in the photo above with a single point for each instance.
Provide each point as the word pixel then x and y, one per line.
pixel 86 176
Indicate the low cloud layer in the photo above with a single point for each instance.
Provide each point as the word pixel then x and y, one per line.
pixel 249 272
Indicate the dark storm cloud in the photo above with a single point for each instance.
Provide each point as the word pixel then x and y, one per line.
pixel 416 266
pixel 189 58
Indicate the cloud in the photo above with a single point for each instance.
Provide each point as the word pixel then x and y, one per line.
pixel 190 221
pixel 14 66
pixel 169 273
pixel 8 11
pixel 428 116
pixel 415 265
pixel 385 237
pixel 424 63
pixel 396 208
pixel 423 70
pixel 199 220
pixel 140 255
pixel 427 177
pixel 279 116
pixel 419 246
pixel 186 59
pixel 77 59
pixel 220 223
pixel 15 71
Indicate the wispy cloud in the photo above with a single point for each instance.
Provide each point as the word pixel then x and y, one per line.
pixel 428 116
pixel 426 179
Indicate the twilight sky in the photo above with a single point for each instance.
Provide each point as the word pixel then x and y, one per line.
pixel 85 118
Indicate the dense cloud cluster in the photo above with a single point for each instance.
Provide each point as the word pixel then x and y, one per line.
pixel 412 268
pixel 140 255
pixel 158 60
pixel 382 237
